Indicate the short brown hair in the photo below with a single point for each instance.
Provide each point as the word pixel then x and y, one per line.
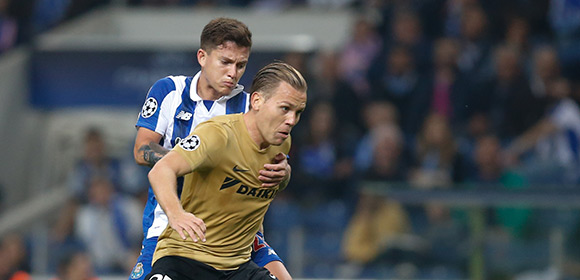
pixel 221 30
pixel 270 76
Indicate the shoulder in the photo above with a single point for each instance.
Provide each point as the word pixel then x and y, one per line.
pixel 165 86
pixel 215 127
pixel 223 125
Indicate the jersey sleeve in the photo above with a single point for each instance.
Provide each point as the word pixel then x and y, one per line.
pixel 152 116
pixel 262 253
pixel 204 147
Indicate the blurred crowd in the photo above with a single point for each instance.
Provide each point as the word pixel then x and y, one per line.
pixel 22 20
pixel 425 94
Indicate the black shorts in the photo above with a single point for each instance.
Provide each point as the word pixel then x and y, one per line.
pixel 181 268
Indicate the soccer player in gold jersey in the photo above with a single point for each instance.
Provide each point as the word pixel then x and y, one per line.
pixel 223 202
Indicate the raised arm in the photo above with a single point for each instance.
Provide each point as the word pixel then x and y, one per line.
pixel 147 150
pixel 163 178
pixel 529 138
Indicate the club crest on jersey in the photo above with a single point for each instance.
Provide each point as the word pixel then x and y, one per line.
pixel 137 271
pixel 183 115
pixel 190 143
pixel 149 108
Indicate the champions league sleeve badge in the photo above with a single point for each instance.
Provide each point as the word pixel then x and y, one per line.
pixel 190 143
pixel 149 108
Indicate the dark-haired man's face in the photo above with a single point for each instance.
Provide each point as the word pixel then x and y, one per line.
pixel 222 68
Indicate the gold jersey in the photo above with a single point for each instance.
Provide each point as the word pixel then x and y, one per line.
pixel 223 191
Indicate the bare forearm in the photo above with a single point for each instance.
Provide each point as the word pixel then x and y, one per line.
pixel 279 270
pixel 150 154
pixel 164 184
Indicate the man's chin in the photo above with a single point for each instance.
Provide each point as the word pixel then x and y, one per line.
pixel 278 141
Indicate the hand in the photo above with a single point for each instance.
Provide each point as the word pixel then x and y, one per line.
pixel 184 222
pixel 276 172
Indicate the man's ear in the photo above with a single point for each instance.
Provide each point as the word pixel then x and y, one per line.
pixel 256 99
pixel 201 57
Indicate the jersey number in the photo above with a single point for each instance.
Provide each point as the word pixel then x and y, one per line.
pixel 159 277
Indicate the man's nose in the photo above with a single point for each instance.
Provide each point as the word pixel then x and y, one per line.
pixel 232 73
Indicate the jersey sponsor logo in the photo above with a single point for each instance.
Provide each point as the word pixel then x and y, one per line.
pixel 190 143
pixel 229 182
pixel 236 169
pixel 149 108
pixel 249 191
pixel 256 192
pixel 183 115
pixel 272 276
pixel 137 271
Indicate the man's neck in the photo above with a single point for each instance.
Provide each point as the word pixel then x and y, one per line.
pixel 250 121
pixel 205 91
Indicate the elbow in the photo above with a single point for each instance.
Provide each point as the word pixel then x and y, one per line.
pixel 152 173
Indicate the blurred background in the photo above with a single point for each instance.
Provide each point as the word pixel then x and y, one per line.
pixel 441 139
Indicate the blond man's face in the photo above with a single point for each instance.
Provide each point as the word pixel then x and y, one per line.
pixel 279 113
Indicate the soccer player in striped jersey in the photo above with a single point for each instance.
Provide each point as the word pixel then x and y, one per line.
pixel 223 202
pixel 175 105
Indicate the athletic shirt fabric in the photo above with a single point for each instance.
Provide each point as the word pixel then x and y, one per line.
pixel 173 109
pixel 224 191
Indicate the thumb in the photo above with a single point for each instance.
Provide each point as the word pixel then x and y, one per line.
pixel 279 158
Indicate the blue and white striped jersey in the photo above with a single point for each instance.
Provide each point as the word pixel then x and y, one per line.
pixel 173 109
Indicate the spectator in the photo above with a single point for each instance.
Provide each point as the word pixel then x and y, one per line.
pixel 474 43
pixel 23 12
pixel 109 226
pixel 508 228
pixel 8 27
pixel 397 80
pixel 517 34
pixel 318 159
pixel 75 265
pixel 95 162
pixel 491 173
pixel 555 139
pixel 564 18
pixel 14 256
pixel 406 30
pixel 375 114
pixel 446 93
pixel 373 234
pixel 357 55
pixel 437 162
pixel 545 69
pixel 501 97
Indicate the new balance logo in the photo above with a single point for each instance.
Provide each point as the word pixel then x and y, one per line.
pixel 236 169
pixel 183 115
